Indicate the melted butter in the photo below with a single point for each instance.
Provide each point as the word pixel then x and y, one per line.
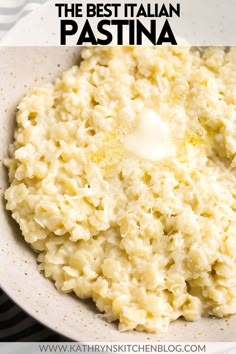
pixel 152 138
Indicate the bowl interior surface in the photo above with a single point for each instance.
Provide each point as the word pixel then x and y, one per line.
pixel 21 69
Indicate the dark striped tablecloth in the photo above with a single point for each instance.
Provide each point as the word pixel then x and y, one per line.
pixel 17 326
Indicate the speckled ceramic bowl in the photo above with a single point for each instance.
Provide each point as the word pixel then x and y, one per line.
pixel 22 68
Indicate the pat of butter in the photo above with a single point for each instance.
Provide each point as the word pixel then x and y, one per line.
pixel 152 138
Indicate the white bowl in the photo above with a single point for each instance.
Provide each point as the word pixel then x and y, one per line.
pixel 23 68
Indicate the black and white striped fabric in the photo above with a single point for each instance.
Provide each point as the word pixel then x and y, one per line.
pixel 12 10
pixel 17 326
